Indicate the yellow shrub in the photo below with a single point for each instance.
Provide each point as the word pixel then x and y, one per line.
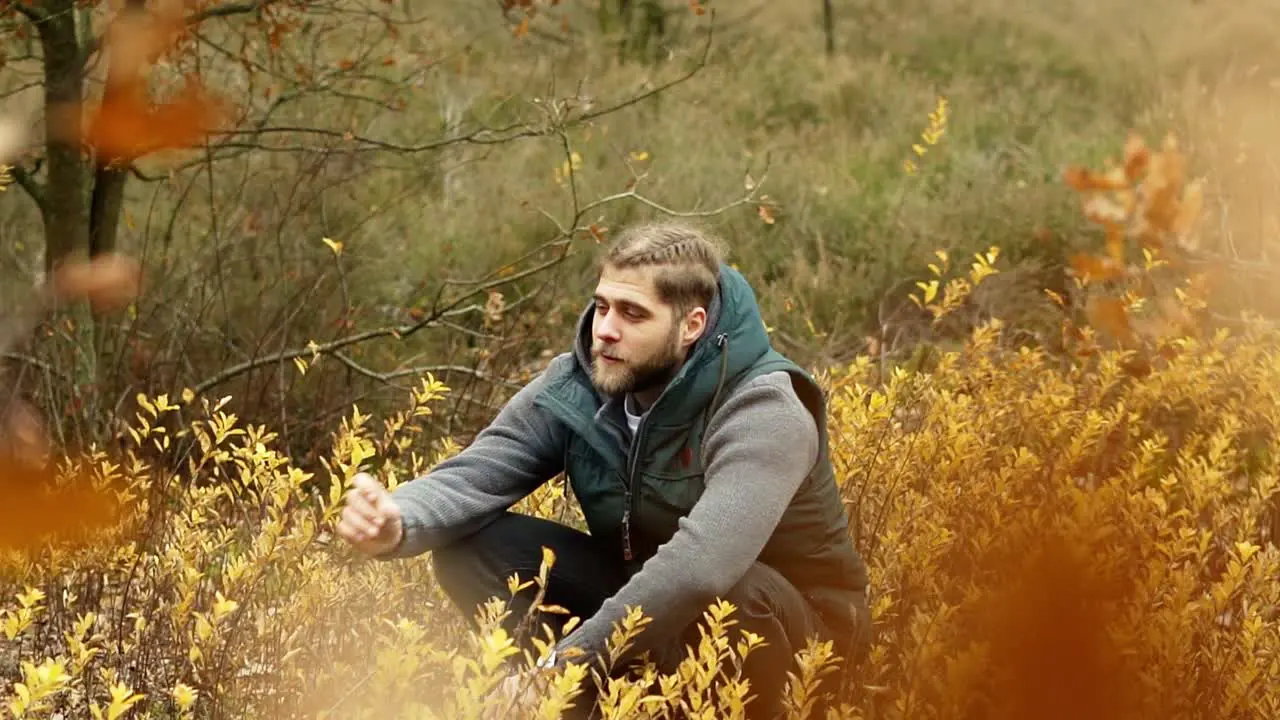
pixel 1050 542
pixel 1044 540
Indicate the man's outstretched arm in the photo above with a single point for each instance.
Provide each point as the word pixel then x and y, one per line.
pixel 521 449
pixel 759 448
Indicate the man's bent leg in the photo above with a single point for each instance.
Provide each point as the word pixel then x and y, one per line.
pixel 767 605
pixel 476 568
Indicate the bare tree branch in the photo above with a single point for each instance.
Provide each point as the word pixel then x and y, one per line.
pixel 750 197
pixel 217 11
pixel 36 363
pixel 387 377
pixel 226 10
pixel 430 319
pixel 334 347
pixel 702 62
pixel 559 115
pixel 477 136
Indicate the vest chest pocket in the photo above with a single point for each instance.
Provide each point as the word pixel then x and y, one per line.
pixel 664 499
pixel 671 478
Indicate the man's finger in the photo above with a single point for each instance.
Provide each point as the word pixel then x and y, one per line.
pixel 359 502
pixel 348 532
pixel 377 495
pixel 363 519
pixel 386 506
pixel 365 484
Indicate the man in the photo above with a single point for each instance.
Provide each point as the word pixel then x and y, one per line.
pixel 697 453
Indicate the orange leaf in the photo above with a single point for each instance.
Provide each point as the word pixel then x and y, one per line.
pixel 1109 314
pixel 137 39
pixel 35 507
pixel 1136 156
pixel 109 281
pixel 127 128
pixel 22 431
pixel 1115 243
pixel 1084 179
pixel 522 29
pixel 765 214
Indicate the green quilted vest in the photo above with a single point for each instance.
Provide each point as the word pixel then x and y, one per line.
pixel 632 498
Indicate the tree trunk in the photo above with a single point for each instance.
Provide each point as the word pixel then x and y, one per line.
pixel 110 174
pixel 104 209
pixel 65 217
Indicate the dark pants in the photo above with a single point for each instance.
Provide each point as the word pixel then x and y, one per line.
pixel 476 569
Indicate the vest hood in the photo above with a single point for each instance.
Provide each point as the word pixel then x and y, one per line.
pixel 734 339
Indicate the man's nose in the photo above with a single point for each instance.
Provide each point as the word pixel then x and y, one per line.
pixel 607 328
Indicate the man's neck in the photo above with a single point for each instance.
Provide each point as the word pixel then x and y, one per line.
pixel 643 400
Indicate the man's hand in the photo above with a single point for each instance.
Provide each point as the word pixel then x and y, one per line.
pixel 520 691
pixel 371 519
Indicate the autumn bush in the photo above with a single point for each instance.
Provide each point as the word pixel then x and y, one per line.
pixel 1044 541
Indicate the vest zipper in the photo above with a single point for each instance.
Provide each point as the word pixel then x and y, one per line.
pixel 722 341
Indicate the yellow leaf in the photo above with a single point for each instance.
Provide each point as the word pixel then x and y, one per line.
pixel 223 606
pixel 1246 550
pixel 203 629
pixel 334 245
pixel 184 695
pixel 930 290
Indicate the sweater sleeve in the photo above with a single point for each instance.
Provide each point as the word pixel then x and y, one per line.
pixel 758 449
pixel 521 449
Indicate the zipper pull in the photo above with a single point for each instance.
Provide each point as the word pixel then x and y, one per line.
pixel 626 530
pixel 721 339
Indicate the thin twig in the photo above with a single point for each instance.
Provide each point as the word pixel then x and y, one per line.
pixel 387 377
pixel 34 362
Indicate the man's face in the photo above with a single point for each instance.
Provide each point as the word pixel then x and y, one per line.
pixel 638 342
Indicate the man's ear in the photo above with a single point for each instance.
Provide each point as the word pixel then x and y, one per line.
pixel 694 324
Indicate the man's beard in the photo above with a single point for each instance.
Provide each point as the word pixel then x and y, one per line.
pixel 627 378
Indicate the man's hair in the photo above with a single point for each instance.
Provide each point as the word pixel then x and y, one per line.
pixel 687 260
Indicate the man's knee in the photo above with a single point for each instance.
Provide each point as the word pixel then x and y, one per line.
pixel 764 599
pixel 471 568
pixel 453 564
